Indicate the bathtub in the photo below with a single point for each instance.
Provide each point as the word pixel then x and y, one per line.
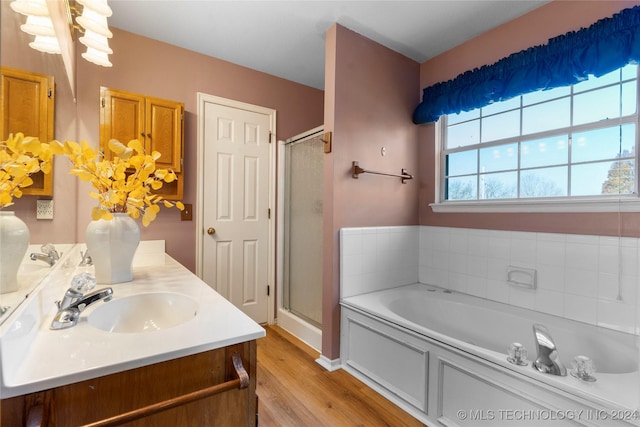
pixel 442 356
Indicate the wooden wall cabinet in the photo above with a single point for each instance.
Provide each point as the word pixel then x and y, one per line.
pixel 27 102
pixel 157 123
pixel 175 390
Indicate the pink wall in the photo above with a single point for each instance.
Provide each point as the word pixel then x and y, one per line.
pixel 148 67
pixel 370 94
pixel 534 28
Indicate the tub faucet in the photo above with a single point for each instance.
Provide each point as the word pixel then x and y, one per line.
pixel 548 360
pixel 50 255
pixel 73 303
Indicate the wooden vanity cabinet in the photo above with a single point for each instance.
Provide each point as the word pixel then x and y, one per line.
pixel 27 103
pixel 157 123
pixel 174 389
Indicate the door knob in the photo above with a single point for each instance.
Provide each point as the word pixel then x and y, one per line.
pixel 211 230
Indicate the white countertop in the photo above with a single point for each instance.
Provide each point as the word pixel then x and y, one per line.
pixel 29 276
pixel 35 358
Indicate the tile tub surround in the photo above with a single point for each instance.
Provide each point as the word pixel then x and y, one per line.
pixel 376 258
pixel 578 276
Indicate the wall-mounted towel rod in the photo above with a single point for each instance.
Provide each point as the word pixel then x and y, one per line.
pixel 357 170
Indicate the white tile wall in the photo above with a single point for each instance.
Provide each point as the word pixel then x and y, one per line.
pixel 578 277
pixel 376 258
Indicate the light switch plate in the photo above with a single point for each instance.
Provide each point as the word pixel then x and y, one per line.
pixel 186 214
pixel 44 209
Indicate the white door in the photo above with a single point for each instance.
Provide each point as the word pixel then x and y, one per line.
pixel 236 176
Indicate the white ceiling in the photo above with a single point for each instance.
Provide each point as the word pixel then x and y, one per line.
pixel 286 38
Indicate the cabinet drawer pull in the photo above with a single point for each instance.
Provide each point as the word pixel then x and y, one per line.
pixel 239 383
pixel 243 376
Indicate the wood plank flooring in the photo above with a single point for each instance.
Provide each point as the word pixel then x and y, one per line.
pixel 294 391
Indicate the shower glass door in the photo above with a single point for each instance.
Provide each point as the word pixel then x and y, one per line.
pixel 302 279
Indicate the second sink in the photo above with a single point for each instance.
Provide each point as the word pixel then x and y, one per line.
pixel 144 313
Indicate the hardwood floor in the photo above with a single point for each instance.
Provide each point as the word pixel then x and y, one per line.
pixel 294 391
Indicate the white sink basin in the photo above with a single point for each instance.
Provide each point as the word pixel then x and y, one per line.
pixel 143 313
pixel 32 267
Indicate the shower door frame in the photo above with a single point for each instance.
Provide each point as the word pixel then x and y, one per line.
pixel 301 329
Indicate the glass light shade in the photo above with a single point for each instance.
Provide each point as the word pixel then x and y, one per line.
pixel 97 57
pixel 38 26
pixel 30 7
pixel 91 20
pixel 96 41
pixel 46 44
pixel 99 6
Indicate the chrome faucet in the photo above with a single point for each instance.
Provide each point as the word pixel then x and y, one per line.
pixel 50 255
pixel 73 303
pixel 548 360
pixel 86 258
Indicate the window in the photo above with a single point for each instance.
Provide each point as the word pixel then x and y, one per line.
pixel 562 144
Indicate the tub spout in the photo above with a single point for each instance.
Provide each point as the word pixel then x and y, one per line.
pixel 548 361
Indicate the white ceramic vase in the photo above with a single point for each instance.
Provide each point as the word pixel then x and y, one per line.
pixel 14 241
pixel 112 245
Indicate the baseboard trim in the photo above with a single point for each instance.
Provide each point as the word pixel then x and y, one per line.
pixel 300 329
pixel 328 364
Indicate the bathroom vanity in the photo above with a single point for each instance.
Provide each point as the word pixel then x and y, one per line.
pixel 165 350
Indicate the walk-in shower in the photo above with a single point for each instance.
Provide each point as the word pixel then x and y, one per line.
pixel 300 236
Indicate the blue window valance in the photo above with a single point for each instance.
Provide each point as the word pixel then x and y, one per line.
pixel 608 44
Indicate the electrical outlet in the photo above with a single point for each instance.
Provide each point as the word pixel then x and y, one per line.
pixel 44 209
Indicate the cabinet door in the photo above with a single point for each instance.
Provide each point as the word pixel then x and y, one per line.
pixel 121 118
pixel 164 132
pixel 170 393
pixel 27 101
pixel 157 123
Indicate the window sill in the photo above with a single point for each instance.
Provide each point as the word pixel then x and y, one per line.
pixel 630 204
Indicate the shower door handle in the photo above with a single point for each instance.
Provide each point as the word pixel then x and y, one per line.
pixel 211 231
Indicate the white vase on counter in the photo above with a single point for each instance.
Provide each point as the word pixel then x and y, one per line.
pixel 14 241
pixel 112 245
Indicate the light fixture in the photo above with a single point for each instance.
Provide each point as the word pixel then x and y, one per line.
pixel 38 24
pixel 30 7
pixel 97 57
pixel 46 44
pixel 96 41
pixel 96 31
pixel 92 22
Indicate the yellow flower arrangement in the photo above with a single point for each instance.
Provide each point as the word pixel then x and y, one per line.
pixel 20 157
pixel 124 184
